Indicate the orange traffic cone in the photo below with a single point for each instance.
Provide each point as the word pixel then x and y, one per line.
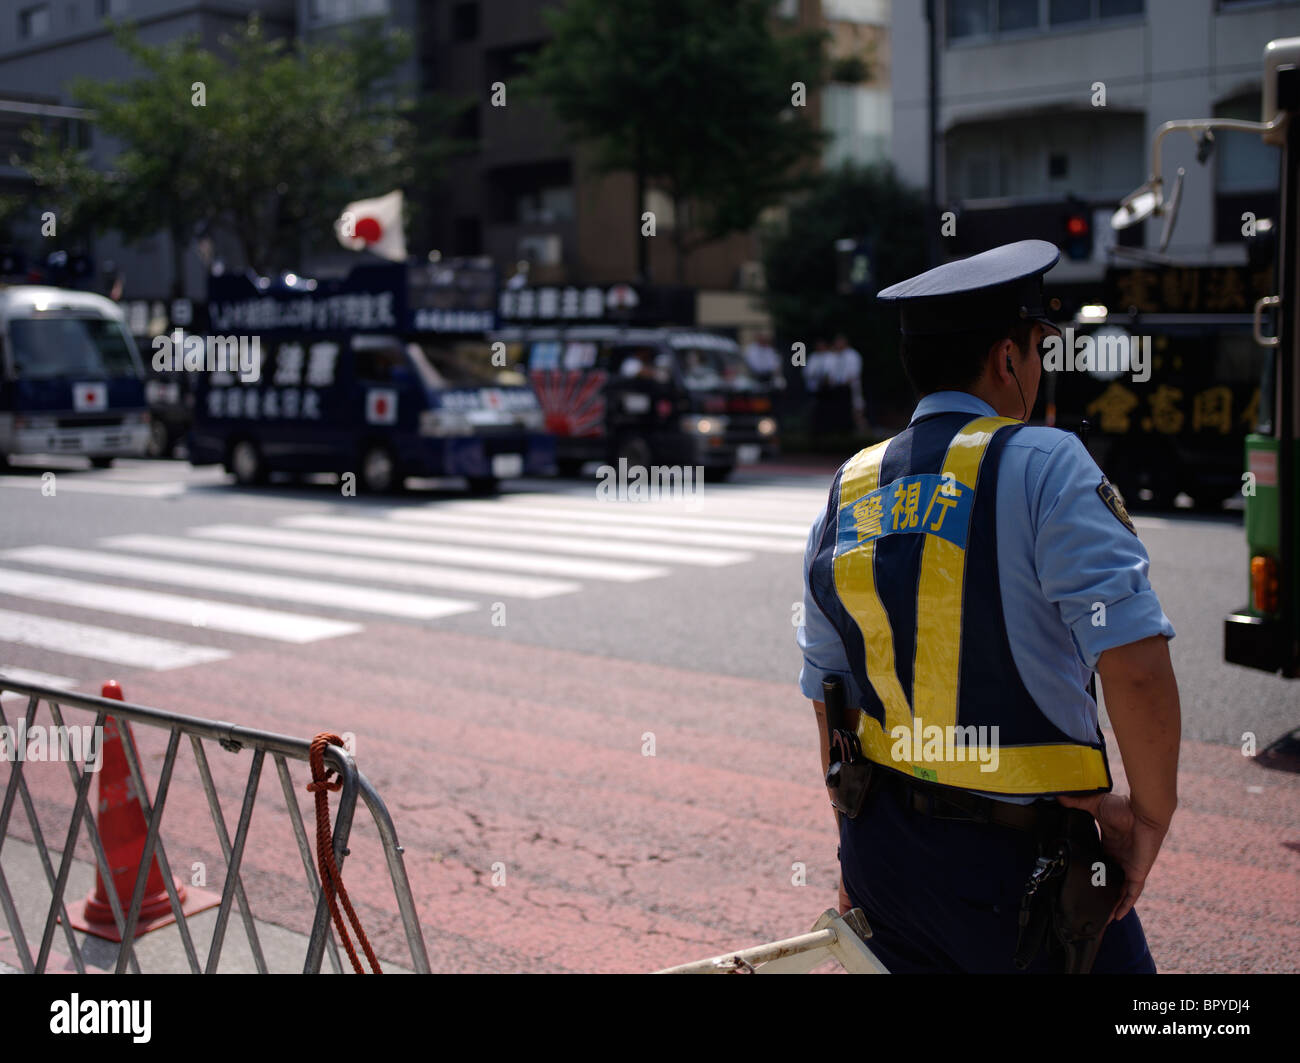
pixel 122 830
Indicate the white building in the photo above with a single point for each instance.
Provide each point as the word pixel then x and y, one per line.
pixel 1021 123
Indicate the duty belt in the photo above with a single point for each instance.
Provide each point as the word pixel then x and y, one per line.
pixel 1065 905
pixel 966 807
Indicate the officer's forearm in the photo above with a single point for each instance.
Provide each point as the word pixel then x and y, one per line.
pixel 1142 702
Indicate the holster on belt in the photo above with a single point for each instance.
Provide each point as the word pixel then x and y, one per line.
pixel 1071 892
pixel 849 777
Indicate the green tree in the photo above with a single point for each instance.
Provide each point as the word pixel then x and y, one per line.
pixel 800 266
pixel 691 96
pixel 267 142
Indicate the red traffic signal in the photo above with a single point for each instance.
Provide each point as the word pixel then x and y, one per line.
pixel 1078 236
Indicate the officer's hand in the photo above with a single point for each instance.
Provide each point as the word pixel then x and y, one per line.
pixel 846 905
pixel 1132 841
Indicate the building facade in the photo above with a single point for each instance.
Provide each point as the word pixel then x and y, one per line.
pixel 44 46
pixel 525 195
pixel 1046 108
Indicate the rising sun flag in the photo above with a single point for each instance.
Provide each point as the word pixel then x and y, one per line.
pixel 374 225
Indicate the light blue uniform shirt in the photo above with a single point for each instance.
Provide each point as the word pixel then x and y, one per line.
pixel 1062 555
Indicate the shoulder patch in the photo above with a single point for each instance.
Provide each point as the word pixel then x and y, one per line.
pixel 1115 503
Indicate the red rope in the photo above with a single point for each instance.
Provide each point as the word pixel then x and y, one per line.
pixel 330 877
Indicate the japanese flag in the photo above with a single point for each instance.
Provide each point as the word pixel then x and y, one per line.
pixel 88 398
pixel 374 225
pixel 381 406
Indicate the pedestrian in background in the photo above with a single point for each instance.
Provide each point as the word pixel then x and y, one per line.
pixel 764 362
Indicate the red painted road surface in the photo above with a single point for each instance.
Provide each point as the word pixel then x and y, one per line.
pixel 493 753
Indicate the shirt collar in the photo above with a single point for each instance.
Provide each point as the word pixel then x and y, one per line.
pixel 952 402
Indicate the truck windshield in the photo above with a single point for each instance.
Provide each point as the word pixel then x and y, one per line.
pixel 461 364
pixel 47 348
pixel 715 370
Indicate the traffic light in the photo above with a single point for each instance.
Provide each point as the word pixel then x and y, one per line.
pixel 1078 235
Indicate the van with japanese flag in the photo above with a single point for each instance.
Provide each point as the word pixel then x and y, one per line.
pixel 71 378
pixel 384 374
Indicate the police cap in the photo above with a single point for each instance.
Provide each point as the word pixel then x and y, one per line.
pixel 986 291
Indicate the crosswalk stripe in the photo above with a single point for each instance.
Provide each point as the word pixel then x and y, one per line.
pixel 386 543
pixel 74 485
pixel 103 644
pixel 632 529
pixel 173 608
pixel 253 584
pixel 327 564
pixel 581 545
pixel 30 675
pixel 631 514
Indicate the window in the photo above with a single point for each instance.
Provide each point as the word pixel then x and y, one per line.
pixel 989 18
pixel 532 194
pixel 712 370
pixel 34 22
pixel 544 206
pixel 1242 161
pixel 464 22
pixel 380 360
pixel 969 18
pixel 459 364
pixel 467 236
pixel 109 8
pixel 1097 155
pixel 1063 12
pixel 47 348
pixel 1017 15
pixel 865 12
pixel 860 120
pixel 345 10
pixel 1246 172
pixel 468 126
pixel 501 64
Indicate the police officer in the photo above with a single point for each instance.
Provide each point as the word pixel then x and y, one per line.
pixel 964 582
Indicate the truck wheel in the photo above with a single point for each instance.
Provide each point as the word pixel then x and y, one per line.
pixel 378 470
pixel 246 463
pixel 101 463
pixel 483 485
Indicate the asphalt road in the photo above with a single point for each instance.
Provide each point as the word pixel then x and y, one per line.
pixel 594 748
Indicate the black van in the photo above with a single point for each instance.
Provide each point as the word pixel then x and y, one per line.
pixel 653 396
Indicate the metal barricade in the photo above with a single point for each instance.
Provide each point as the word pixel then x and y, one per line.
pixel 233 739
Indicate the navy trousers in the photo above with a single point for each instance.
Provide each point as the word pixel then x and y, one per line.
pixel 943 896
